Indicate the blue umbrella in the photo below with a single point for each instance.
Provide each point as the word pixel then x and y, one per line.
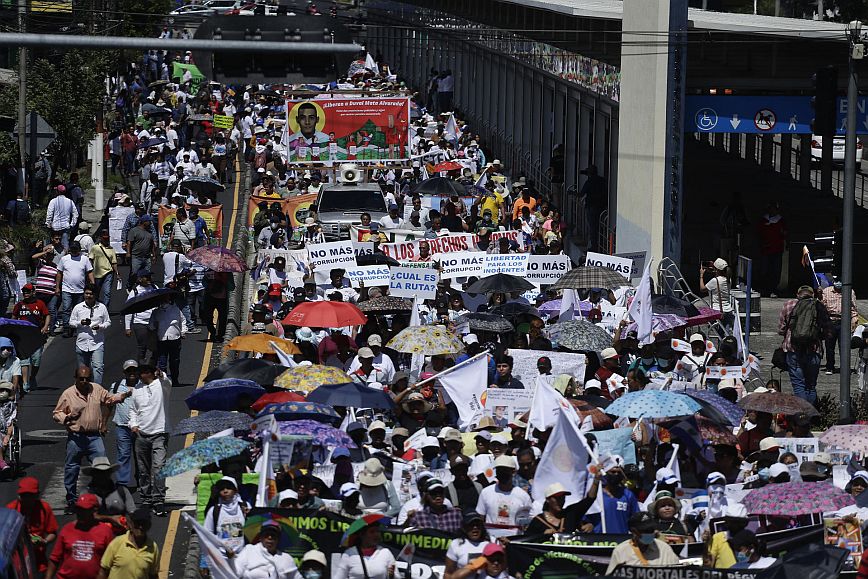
pixel 153 142
pixel 146 300
pixel 26 336
pixel 224 394
pixel 213 421
pixel 301 410
pixel 323 434
pixel 203 452
pixel 351 394
pixel 653 404
pixel 716 406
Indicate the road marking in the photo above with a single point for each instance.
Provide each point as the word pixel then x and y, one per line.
pixel 175 517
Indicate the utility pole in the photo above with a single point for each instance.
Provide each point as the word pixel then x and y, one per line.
pixel 856 51
pixel 22 101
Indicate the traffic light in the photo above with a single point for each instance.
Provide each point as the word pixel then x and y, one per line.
pixel 826 253
pixel 824 101
pixel 273 68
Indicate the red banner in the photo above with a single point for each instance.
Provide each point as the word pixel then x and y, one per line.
pixel 296 207
pixel 358 129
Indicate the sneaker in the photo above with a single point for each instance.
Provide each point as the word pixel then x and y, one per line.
pixel 195 331
pixel 829 372
pixel 159 510
pixel 26 387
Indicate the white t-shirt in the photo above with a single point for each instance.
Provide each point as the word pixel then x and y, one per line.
pixel 377 565
pixel 382 362
pixel 718 294
pixel 169 260
pixel 501 508
pixel 386 222
pixel 462 551
pixel 11 367
pixel 75 270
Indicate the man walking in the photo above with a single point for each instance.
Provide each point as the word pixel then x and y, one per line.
pixel 141 246
pixel 123 434
pixel 804 323
pixel 80 544
pixel 168 323
pixel 33 310
pixel 73 273
pixel 61 215
pixel 831 298
pixel 133 555
pixel 82 409
pixel 105 267
pixel 90 319
pixel 148 424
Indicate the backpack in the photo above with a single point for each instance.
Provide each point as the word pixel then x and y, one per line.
pixel 21 212
pixel 804 325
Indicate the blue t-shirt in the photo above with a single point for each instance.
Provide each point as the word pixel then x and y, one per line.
pixel 618 512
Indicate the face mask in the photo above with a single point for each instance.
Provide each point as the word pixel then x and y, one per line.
pixel 837 285
pixel 646 538
pixel 312 574
pixel 614 479
pixel 5 353
pixel 742 557
pixel 647 361
pixel 663 363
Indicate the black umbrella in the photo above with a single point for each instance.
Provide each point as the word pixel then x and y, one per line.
pixel 483 322
pixel 500 282
pixel 152 142
pixel 158 83
pixel 154 110
pixel 351 394
pixel 442 186
pixel 515 309
pixel 665 304
pixel 146 300
pixel 262 372
pixel 376 258
pixel 205 185
pixel 598 401
pixel 213 421
pixel 25 336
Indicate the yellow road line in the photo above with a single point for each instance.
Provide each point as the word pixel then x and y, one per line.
pixel 175 517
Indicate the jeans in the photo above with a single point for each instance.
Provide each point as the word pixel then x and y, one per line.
pixel 77 447
pixel 125 440
pixel 169 354
pixel 146 342
pixel 804 369
pixel 67 302
pixel 136 264
pixel 93 360
pixel 184 305
pixel 194 302
pixel 831 341
pixel 104 288
pixel 51 303
pixel 150 458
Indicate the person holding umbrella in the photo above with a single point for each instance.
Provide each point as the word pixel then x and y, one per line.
pixel 366 558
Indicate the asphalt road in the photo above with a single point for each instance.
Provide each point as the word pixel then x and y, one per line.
pixel 44 440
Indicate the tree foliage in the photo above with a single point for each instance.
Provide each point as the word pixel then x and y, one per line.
pixel 143 17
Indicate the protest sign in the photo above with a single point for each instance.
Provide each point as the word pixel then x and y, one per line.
pixel 461 264
pixel 407 282
pixel 845 533
pixel 448 243
pixel 616 441
pixel 547 269
pixel 223 121
pixel 369 275
pixel 117 218
pixel 363 248
pixel 356 129
pixel 212 214
pixel 638 258
pixel 722 372
pixel 622 265
pixel 524 364
pixel 504 405
pixel 297 207
pixel 325 257
pixel 510 263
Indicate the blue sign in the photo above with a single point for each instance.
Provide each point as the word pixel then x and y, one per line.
pixel 861 116
pixel 748 114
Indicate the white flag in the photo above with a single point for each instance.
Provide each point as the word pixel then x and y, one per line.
pixel 417 362
pixel 451 131
pixel 283 358
pixel 569 304
pixel 465 387
pixel 546 407
pixel 370 63
pixel 671 465
pixel 266 474
pixel 565 460
pixel 738 334
pixel 211 548
pixel 640 309
pixel 483 179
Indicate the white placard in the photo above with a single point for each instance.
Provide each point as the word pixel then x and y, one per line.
pixel 510 263
pixel 370 275
pixel 328 256
pixel 505 405
pixel 363 247
pixel 524 364
pixel 622 265
pixel 461 264
pixel 407 282
pixel 722 372
pixel 547 269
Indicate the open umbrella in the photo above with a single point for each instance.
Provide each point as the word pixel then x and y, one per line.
pixel 325 314
pixel 300 411
pixel 590 277
pixel 653 404
pixel 308 378
pixel 363 522
pixel 268 93
pixel 659 323
pixel 483 322
pixel 516 312
pixel 852 437
pixel 203 452
pixel 158 83
pixel 714 432
pixel 666 304
pixel 261 344
pixel 351 394
pixel 218 259
pixel 448 166
pixel 26 336
pixel 213 421
pixel 386 304
pixel 259 371
pixel 598 418
pixel 579 335
pixel 206 185
pixel 729 411
pixel 430 340
pixel 152 142
pixel 154 110
pixel 777 403
pixel 706 316
pixel 144 301
pixel 200 118
pixel 796 498
pixel 500 282
pixel 289 535
pixel 322 434
pixel 224 394
pixel 440 186
pixel 276 398
pixel 377 258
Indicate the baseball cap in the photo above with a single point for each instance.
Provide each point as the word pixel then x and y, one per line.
pixel 339 452
pixel 375 340
pixel 275 290
pixel 354 426
pixel 609 353
pixel 769 443
pixel 348 489
pixel 130 364
pixel 642 522
pixel 666 476
pixel 593 383
pixel 28 485
pixel 140 516
pixel 823 458
pixel 720 263
pixel 400 431
pixel 500 438
pixel 777 469
pixel 453 436
pixel 315 556
pixel 434 484
pixel 430 441
pixel 28 287
pixel 366 353
pixel 504 461
pixel 697 338
pixel 87 501
pixel 715 477
pixel 377 425
pixel 483 434
pixel 492 549
pixel 287 494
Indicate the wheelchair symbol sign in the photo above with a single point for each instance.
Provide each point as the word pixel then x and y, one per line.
pixel 706 119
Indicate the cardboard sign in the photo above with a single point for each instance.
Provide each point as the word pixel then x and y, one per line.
pixel 406 282
pixel 223 122
pixel 409 250
pixel 509 263
pixel 461 264
pixel 622 265
pixel 524 364
pixel 370 275
pixel 547 269
pixel 328 256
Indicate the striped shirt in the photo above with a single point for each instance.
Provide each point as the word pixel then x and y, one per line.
pixel 46 279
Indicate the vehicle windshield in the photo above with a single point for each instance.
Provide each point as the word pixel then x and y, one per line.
pixel 351 200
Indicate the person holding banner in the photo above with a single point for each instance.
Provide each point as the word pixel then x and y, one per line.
pixel 643 549
pixel 367 558
pixel 263 560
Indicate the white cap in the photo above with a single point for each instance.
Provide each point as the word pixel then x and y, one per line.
pixel 314 555
pixel 608 353
pixel 496 162
pixel 287 494
pixel 777 469
pixel 666 476
pixel 720 264
pixel 470 339
pixel 697 338
pixel 556 489
pixel 430 441
pixel 500 437
pixel 593 383
pixel 348 489
pixel 504 461
pixel 770 442
pixel 823 458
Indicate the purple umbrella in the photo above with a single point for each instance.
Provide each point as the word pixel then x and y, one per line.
pixel 218 258
pixel 553 307
pixel 659 323
pixel 323 434
pixel 731 412
pixel 26 336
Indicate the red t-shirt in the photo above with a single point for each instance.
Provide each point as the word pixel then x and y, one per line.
pixel 40 522
pixel 34 312
pixel 77 552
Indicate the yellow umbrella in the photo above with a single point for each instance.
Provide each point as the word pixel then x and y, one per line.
pixel 310 377
pixel 261 344
pixel 430 340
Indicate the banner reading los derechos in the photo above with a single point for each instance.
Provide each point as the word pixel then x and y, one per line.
pixel 296 207
pixel 358 129
pixel 212 214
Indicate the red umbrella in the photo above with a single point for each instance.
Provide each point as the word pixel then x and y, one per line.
pixel 448 166
pixel 325 315
pixel 218 259
pixel 276 398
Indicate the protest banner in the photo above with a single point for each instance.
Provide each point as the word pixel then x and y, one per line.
pixel 223 122
pixel 616 441
pixel 524 364
pixel 722 372
pixel 547 269
pixel 622 265
pixel 638 258
pixel 845 533
pixel 325 257
pixel 407 282
pixel 363 247
pixel 369 275
pixel 505 405
pixel 461 264
pixel 297 207
pixel 509 263
pixel 359 129
pixel 212 214
pixel 117 218
pixel 409 250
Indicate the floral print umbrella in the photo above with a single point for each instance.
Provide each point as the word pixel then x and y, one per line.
pixel 203 452
pixel 852 437
pixel 323 434
pixel 579 335
pixel 777 403
pixel 796 498
pixel 430 340
pixel 731 412
pixel 308 378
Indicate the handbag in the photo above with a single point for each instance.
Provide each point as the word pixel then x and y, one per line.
pixel 779 359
